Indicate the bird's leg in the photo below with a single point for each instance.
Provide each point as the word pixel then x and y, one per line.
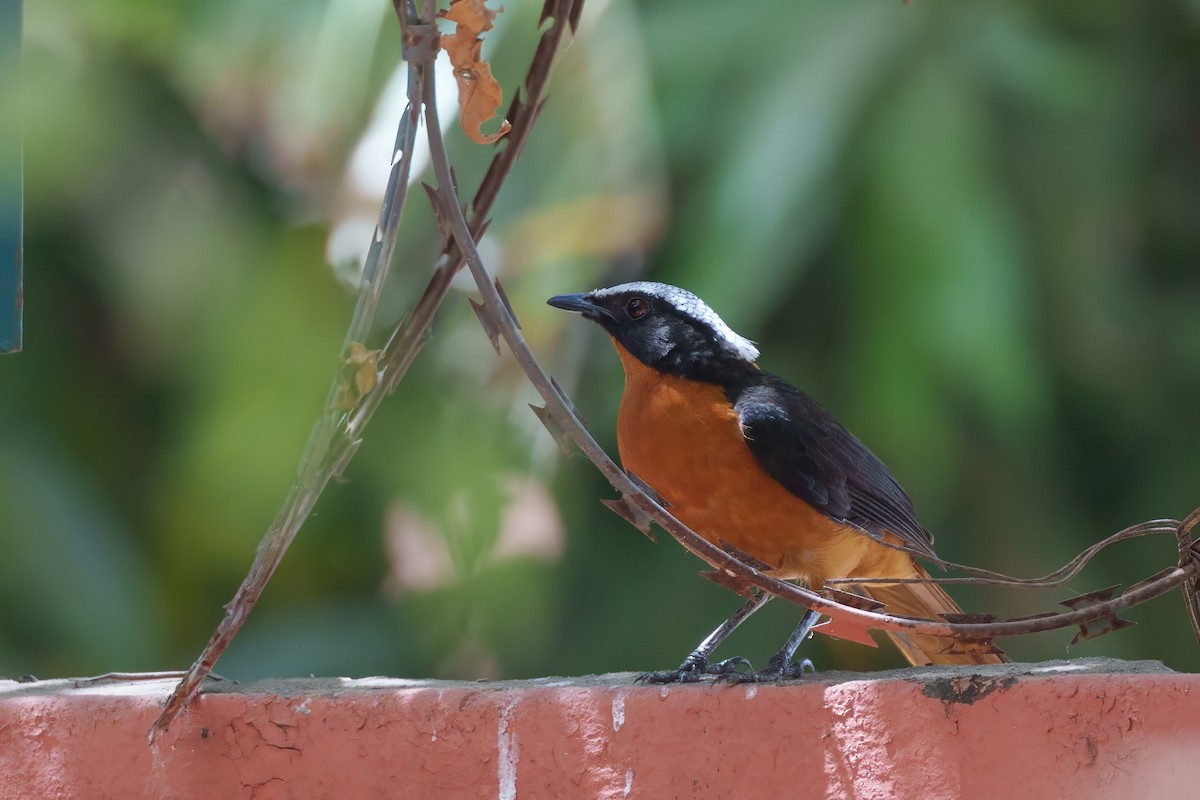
pixel 780 665
pixel 697 664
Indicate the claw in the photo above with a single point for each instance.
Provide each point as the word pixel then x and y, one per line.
pixel 691 670
pixel 779 671
pixel 727 671
pixel 727 666
pixel 680 675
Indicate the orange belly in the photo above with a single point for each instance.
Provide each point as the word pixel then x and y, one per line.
pixel 683 439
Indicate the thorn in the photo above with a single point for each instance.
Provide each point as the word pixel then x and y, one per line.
pixel 487 223
pixel 373 251
pixel 574 16
pixel 561 437
pixel 631 513
pixel 647 489
pixel 514 108
pixel 1091 598
pixel 488 321
pixel 507 305
pixel 845 627
pixel 402 130
pixel 537 112
pixel 432 193
pixel 439 217
pixel 851 630
pixel 1099 627
pixel 547 11
pixel 574 411
pixel 731 581
pixel 340 467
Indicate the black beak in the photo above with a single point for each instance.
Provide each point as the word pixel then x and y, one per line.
pixel 581 303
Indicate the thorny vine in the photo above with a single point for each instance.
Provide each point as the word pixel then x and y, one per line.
pixel 337 434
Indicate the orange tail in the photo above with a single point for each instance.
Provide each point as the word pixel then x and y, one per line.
pixel 927 600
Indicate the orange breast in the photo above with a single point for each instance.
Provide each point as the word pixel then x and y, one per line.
pixel 683 438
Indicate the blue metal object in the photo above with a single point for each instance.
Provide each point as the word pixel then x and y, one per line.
pixel 11 210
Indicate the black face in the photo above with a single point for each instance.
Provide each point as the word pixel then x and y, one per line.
pixel 659 335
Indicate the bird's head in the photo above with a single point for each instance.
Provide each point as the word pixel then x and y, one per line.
pixel 666 328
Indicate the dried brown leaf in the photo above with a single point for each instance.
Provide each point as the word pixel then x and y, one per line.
pixel 479 93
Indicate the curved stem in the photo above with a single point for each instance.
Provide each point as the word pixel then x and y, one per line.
pixel 559 408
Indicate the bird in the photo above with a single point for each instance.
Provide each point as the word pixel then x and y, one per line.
pixel 747 460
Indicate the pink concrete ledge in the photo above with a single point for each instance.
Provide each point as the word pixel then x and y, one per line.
pixel 1071 729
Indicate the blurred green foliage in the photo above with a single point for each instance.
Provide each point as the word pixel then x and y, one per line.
pixel 971 229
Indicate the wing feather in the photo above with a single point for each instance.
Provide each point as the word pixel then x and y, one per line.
pixel 803 447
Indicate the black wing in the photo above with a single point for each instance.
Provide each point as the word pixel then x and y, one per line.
pixel 803 447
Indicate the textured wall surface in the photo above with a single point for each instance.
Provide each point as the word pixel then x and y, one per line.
pixel 1089 728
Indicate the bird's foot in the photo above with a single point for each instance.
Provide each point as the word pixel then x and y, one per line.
pixel 780 670
pixel 692 669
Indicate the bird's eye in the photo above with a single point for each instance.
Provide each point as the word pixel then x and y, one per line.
pixel 637 308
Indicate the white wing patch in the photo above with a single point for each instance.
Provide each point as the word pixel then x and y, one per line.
pixel 688 304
